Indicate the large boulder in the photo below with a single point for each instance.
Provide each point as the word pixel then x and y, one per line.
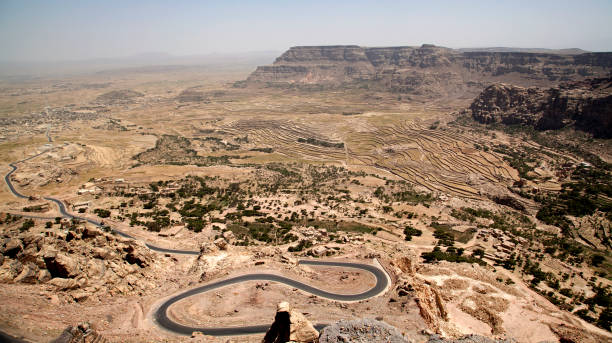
pixel 29 274
pixel 60 265
pixel 406 264
pixel 9 270
pixel 82 333
pixel 13 247
pixel 287 258
pixel 91 232
pixel 33 240
pixel 290 325
pixel 137 255
pixel 101 253
pixel 318 251
pixel 64 284
pixel 43 275
pixel 221 243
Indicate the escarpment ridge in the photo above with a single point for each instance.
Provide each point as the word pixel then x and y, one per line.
pixel 427 70
pixel 585 105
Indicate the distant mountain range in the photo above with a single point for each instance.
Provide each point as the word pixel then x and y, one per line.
pixel 144 62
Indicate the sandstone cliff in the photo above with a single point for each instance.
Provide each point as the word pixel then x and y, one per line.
pixel 585 105
pixel 427 70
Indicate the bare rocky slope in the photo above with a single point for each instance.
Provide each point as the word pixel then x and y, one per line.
pixel 82 261
pixel 585 105
pixel 292 326
pixel 427 70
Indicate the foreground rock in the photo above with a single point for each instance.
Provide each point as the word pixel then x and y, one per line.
pixel 85 260
pixel 468 339
pixel 82 333
pixel 426 295
pixel 585 105
pixel 361 331
pixel 290 325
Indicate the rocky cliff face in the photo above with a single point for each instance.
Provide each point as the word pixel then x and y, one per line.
pixel 585 105
pixel 427 70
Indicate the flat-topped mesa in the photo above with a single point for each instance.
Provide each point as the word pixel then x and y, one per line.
pixel 332 53
pixel 426 70
pixel 402 55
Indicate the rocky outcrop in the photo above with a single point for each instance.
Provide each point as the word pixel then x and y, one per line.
pixel 468 339
pixel 584 105
pixel 572 334
pixel 82 333
pixel 406 264
pixel 12 247
pixel 507 104
pixel 60 265
pixel 429 300
pixel 361 331
pixel 369 330
pixel 427 70
pixel 85 259
pixel 290 326
pixel 428 297
pixel 221 243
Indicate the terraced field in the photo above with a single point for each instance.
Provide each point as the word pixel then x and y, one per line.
pixel 284 137
pixel 431 158
pixel 435 159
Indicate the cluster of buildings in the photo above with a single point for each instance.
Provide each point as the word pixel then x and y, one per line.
pixel 503 243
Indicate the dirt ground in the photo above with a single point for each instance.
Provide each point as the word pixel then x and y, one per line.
pixel 388 144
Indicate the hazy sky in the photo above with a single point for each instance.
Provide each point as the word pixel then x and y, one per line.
pixel 32 30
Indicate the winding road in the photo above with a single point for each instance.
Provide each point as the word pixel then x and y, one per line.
pixel 65 214
pixel 7 177
pixel 161 313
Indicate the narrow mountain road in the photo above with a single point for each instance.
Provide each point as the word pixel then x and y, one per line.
pixel 66 214
pixel 162 319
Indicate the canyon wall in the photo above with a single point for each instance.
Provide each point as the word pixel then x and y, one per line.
pixel 584 105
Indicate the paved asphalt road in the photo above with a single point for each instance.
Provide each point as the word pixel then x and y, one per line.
pixel 161 314
pixel 65 214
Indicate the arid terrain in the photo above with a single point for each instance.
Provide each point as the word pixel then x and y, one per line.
pixel 478 181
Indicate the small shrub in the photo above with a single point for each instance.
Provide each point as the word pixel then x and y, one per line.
pixel 27 224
